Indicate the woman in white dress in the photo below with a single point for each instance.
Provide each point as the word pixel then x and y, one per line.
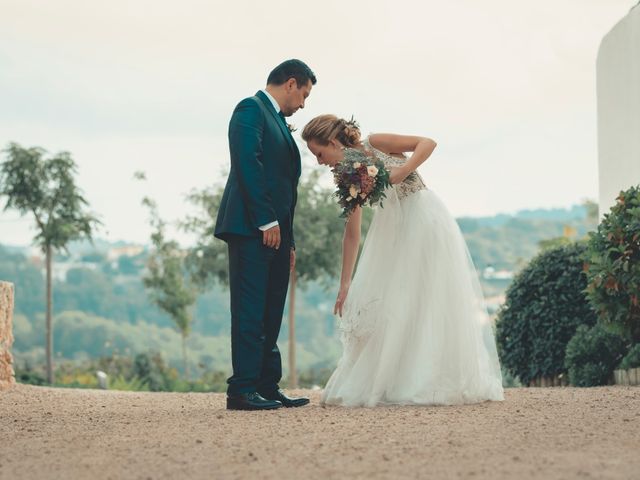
pixel 413 323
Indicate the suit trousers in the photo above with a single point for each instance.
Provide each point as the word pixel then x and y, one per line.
pixel 258 281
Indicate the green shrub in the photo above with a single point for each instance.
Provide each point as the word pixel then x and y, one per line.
pixel 509 380
pixel 613 265
pixel 153 371
pixel 631 359
pixel 210 381
pixel 134 384
pixel 592 355
pixel 544 306
pixel 29 376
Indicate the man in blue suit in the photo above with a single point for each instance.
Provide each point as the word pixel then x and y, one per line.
pixel 256 220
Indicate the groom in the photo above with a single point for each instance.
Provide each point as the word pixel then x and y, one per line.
pixel 256 221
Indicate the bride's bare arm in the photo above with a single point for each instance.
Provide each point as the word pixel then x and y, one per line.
pixel 422 148
pixel 350 246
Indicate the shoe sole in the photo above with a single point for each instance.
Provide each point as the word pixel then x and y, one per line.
pixel 245 408
pixel 295 406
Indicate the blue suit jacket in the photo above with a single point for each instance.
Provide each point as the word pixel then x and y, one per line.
pixel 265 169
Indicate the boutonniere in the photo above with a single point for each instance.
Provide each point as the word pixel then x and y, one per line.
pixel 292 128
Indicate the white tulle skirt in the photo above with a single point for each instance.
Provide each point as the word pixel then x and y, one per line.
pixel 414 328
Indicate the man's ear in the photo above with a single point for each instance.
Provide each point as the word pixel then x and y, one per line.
pixel 291 84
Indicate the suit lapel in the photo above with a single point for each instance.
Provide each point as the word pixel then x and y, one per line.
pixel 283 128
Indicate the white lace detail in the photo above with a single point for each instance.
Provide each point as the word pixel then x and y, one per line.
pixel 358 321
pixel 413 183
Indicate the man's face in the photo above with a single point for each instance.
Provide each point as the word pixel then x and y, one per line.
pixel 296 96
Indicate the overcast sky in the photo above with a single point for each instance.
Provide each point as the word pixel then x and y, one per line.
pixel 506 88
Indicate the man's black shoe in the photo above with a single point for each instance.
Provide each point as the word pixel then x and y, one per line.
pixel 279 396
pixel 251 401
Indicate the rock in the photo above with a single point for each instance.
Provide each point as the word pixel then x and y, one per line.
pixel 103 380
pixel 7 375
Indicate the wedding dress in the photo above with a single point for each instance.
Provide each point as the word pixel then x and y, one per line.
pixel 414 327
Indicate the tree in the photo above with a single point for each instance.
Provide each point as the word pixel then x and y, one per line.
pixel 170 288
pixel 591 208
pixel 208 261
pixel 613 265
pixel 46 189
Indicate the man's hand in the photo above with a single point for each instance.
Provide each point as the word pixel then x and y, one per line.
pixel 271 237
pixel 292 260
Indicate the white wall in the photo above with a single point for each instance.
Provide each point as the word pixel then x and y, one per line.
pixel 618 83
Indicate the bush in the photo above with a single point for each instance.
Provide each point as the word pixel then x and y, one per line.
pixel 76 379
pixel 613 265
pixel 210 381
pixel 153 371
pixel 631 359
pixel 592 355
pixel 134 384
pixel 544 306
pixel 29 376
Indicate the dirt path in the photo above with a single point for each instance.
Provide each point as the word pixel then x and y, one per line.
pixel 536 433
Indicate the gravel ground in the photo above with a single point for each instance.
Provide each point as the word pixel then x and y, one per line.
pixel 545 433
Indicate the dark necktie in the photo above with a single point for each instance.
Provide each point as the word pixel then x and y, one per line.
pixel 284 121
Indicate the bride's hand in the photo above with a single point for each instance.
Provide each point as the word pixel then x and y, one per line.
pixel 342 296
pixel 397 174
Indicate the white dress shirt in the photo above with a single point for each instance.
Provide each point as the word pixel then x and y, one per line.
pixel 277 107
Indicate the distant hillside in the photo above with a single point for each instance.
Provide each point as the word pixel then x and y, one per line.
pixel 577 212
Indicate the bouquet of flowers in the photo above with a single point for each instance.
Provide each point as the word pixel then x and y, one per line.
pixel 359 180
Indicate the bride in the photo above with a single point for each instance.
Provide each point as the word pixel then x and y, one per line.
pixel 413 323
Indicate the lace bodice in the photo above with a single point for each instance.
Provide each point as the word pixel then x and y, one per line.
pixel 413 183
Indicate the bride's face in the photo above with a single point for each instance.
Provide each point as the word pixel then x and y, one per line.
pixel 327 155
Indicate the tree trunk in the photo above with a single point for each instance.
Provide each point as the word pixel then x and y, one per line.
pixel 49 326
pixel 184 356
pixel 293 378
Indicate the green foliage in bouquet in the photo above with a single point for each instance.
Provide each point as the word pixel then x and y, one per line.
pixel 613 265
pixel 631 359
pixel 544 306
pixel 360 180
pixel 592 355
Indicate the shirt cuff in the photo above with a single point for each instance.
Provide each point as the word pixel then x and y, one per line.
pixel 268 226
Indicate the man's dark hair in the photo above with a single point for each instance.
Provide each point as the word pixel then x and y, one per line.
pixel 292 69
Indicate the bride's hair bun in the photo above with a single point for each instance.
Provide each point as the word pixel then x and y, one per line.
pixel 325 128
pixel 349 136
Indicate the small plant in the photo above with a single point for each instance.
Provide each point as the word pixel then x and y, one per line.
pixel 135 384
pixel 152 370
pixel 78 380
pixel 29 376
pixel 592 355
pixel 631 359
